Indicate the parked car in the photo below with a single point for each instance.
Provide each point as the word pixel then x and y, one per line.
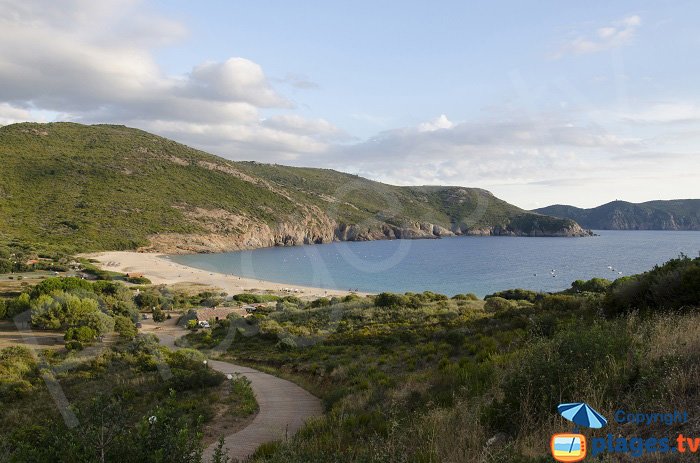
pixel 204 324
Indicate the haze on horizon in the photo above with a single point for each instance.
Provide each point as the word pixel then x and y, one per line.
pixel 539 103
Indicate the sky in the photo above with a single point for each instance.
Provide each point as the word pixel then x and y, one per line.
pixel 540 102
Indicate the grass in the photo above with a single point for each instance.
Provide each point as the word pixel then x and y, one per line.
pixel 68 187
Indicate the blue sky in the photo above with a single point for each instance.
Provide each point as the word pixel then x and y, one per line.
pixel 539 102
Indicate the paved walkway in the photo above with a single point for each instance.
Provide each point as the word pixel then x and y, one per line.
pixel 284 407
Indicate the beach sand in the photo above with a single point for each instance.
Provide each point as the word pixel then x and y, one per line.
pixel 160 270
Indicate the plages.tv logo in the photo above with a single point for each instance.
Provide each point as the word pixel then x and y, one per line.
pixel 570 447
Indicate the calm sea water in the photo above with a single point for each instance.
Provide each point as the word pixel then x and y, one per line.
pixel 481 265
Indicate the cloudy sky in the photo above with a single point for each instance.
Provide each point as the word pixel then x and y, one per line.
pixel 540 102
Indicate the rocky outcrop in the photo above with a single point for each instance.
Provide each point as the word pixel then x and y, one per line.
pixel 225 231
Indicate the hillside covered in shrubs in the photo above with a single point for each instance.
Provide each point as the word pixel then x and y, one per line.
pixel 423 377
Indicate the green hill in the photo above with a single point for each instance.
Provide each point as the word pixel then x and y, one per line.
pixel 106 187
pixel 677 214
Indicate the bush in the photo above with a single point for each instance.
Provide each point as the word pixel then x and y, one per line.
pixel 248 298
pixel 561 302
pixel 516 295
pixel 594 285
pixel 671 286
pixel 320 302
pixel 286 343
pixel 498 304
pixel 587 362
pixel 83 334
pixel 390 300
pixel 465 297
pixel 74 345
pixel 139 280
pixel 158 315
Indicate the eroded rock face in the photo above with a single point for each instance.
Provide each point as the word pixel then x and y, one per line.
pixel 225 231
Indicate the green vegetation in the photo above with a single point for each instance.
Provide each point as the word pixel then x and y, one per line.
pixel 420 377
pixel 676 214
pixel 122 407
pixel 68 187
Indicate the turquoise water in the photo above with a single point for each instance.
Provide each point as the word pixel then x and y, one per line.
pixel 481 265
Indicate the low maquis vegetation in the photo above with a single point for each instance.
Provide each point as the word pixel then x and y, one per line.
pixel 420 377
pixel 122 407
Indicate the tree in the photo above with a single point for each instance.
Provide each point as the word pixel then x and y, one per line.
pixel 158 315
pixel 83 334
pixel 147 300
pixel 100 322
pixel 125 327
pixel 47 312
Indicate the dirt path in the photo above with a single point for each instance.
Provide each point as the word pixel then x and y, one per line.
pixel 284 406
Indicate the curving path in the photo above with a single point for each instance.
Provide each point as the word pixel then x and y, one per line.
pixel 284 407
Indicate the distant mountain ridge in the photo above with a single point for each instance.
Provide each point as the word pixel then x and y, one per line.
pixel 107 187
pixel 675 214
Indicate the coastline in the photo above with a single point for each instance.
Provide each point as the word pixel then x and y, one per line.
pixel 161 270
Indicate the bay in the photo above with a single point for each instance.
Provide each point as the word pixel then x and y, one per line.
pixel 481 265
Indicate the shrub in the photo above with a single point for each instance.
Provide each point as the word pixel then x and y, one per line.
pixel 673 285
pixel 320 302
pixel 465 297
pixel 499 304
pixel 158 315
pixel 83 334
pixel 390 299
pixel 594 285
pixel 248 298
pixel 516 295
pixel 286 343
pixel 139 280
pixel 74 345
pixel 561 302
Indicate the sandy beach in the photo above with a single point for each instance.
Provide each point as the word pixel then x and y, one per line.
pixel 160 270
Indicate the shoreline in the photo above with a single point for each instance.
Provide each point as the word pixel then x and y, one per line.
pixel 160 270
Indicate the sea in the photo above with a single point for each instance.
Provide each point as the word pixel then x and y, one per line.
pixel 479 265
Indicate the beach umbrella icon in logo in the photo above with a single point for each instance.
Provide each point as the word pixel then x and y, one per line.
pixel 582 414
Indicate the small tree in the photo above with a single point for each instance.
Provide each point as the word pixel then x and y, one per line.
pixel 158 315
pixel 125 327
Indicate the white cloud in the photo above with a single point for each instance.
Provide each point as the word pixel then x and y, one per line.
pixel 614 35
pixel 236 79
pixel 94 62
pixel 441 122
